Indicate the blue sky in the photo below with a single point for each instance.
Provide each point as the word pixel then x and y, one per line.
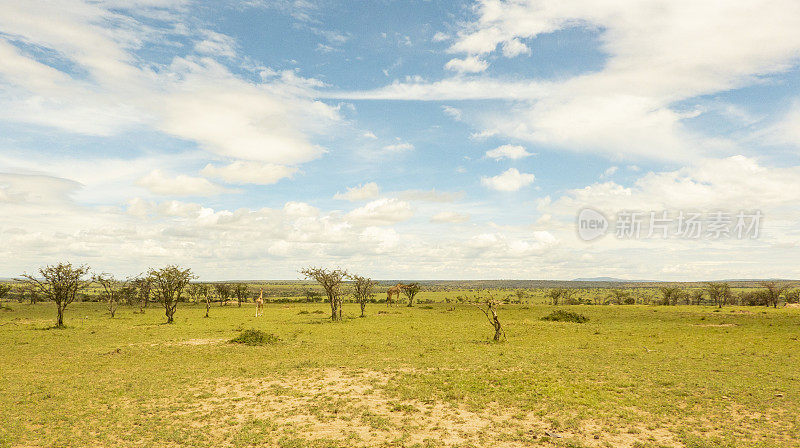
pixel 398 139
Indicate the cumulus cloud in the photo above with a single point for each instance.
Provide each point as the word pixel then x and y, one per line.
pixel 657 55
pixel 513 48
pixel 467 65
pixel 385 211
pixel 509 180
pixel 733 183
pixel 243 172
pixel 452 112
pixel 512 152
pixel 161 183
pixel 193 96
pixel 362 192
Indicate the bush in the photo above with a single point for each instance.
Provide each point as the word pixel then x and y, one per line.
pixel 565 316
pixel 255 337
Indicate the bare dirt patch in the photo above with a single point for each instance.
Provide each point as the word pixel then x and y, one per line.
pixel 351 409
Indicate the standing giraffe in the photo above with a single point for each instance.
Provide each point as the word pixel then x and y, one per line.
pixel 260 303
pixel 394 291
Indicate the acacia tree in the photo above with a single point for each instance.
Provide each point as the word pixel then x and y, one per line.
pixel 169 282
pixel 331 281
pixel 29 291
pixel 696 296
pixel 4 290
pixel 240 292
pixel 59 283
pixel 112 290
pixel 205 291
pixel 622 297
pixel 719 293
pixel 143 285
pixel 490 311
pixel 554 295
pixel 774 290
pixel 670 295
pixel 312 295
pixel 194 291
pixel 224 291
pixel 363 290
pixel 410 291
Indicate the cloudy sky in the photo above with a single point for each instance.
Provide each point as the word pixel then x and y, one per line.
pixel 398 139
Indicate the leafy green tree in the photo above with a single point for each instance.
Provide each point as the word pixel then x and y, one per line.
pixel 554 295
pixel 774 291
pixel 224 291
pixel 363 290
pixel 670 295
pixel 59 283
pixel 4 290
pixel 240 292
pixel 719 293
pixel 143 286
pixel 410 291
pixel 112 290
pixel 169 283
pixel 331 282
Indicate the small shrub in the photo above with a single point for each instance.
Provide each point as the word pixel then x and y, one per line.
pixel 255 337
pixel 565 316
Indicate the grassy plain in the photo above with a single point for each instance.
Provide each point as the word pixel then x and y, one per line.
pixel 632 376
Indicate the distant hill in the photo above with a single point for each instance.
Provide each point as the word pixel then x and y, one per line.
pixel 605 279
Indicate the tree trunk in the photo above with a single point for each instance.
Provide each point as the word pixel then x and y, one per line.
pixel 334 316
pixel 363 305
pixel 60 319
pixel 208 305
pixel 169 311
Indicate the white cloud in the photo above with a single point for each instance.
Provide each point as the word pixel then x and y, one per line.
pixel 440 37
pixel 657 55
pixel 610 171
pixel 242 172
pixel 469 64
pixel 512 152
pixel 733 183
pixel 161 183
pixel 452 112
pixel 513 48
pixel 193 97
pixel 362 192
pixel 509 180
pixel 399 147
pixel 216 44
pixel 385 211
pixel 450 217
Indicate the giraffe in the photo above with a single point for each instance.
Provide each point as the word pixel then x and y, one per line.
pixel 394 291
pixel 260 303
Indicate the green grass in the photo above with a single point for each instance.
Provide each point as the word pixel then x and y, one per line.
pixel 702 376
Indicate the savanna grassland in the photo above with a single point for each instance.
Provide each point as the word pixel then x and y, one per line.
pixel 427 376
